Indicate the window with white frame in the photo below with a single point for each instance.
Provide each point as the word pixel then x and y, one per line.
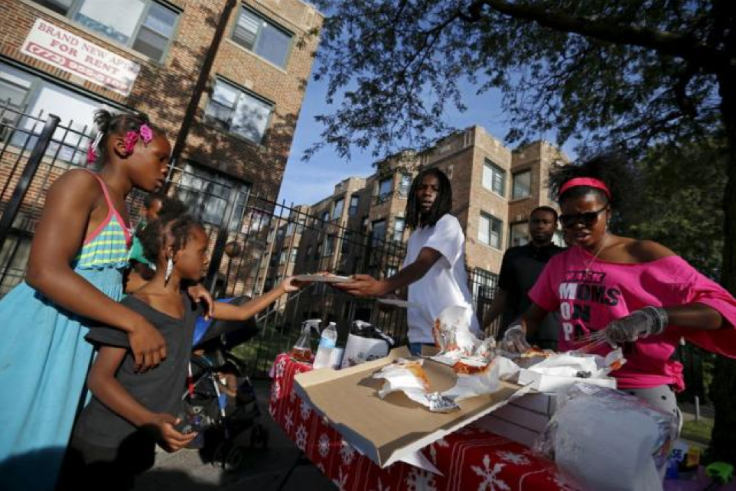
pixel 353 210
pixel 518 234
pixel 405 185
pixel 206 193
pixel 490 230
pixel 337 208
pixel 378 232
pixel 294 254
pixel 494 178
pixel 522 187
pixel 147 26
pixel 239 111
pixel 384 188
pixel 263 37
pixel 38 97
pixel 399 225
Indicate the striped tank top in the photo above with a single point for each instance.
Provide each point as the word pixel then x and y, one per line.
pixel 107 246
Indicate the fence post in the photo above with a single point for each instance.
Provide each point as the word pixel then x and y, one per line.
pixel 219 249
pixel 34 161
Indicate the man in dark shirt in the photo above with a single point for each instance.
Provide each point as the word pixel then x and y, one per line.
pixel 520 269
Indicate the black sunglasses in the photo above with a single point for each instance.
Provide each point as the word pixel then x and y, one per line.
pixel 588 219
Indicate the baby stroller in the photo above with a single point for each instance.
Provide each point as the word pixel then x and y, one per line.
pixel 220 400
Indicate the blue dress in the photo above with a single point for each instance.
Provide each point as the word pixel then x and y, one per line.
pixel 44 361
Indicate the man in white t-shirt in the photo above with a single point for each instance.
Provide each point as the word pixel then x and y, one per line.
pixel 434 267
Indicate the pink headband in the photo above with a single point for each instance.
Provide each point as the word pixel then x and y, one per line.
pixel 585 181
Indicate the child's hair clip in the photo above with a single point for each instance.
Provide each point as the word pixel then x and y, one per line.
pixel 146 133
pixel 92 149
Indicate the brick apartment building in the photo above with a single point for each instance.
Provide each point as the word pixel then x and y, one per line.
pixel 69 57
pixel 494 191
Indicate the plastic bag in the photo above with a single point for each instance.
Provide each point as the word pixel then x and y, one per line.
pixel 607 440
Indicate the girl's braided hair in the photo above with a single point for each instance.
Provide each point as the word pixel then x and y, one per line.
pixel 153 235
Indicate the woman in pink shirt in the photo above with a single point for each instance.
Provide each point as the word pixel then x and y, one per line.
pixel 643 296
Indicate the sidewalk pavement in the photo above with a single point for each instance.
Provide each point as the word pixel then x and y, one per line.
pixel 262 470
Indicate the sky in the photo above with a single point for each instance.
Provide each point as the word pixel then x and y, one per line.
pixel 309 182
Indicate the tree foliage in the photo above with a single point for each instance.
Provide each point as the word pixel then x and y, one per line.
pixel 599 71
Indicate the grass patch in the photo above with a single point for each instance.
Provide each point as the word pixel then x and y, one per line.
pixel 259 353
pixel 698 431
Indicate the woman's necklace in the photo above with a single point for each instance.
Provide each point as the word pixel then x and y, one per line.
pixel 592 260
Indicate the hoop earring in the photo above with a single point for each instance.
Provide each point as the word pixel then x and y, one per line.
pixel 169 269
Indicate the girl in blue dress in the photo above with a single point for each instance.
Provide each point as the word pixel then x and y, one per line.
pixel 73 281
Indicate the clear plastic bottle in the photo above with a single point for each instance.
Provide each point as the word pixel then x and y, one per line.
pixel 326 345
pixel 302 350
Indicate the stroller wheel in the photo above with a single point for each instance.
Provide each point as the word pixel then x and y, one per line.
pixel 220 453
pixel 259 437
pixel 234 459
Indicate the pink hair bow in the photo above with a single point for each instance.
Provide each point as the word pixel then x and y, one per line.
pixel 131 137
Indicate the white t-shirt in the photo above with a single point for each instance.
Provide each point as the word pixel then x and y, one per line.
pixel 446 282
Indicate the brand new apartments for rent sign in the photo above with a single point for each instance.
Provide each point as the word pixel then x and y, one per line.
pixel 76 55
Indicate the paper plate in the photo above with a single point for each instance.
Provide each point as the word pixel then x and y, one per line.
pixel 321 278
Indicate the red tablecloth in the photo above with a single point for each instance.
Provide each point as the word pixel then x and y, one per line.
pixel 470 459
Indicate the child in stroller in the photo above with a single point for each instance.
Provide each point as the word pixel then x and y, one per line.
pixel 220 399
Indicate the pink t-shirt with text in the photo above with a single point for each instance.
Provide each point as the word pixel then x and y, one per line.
pixel 589 301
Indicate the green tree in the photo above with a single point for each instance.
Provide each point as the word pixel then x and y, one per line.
pixel 630 73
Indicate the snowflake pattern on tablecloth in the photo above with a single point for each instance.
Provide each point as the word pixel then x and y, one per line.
pixel 491 481
pixel 275 391
pixel 347 453
pixel 419 480
pixel 342 480
pixel 560 482
pixel 280 368
pixel 301 437
pixel 380 487
pixel 433 448
pixel 324 445
pixel 289 423
pixel 305 410
pixel 513 457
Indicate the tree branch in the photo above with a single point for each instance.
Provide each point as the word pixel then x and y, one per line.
pixel 711 59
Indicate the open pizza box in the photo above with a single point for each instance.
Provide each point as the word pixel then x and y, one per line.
pixel 395 428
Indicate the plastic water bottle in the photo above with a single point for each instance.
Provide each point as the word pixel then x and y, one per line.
pixel 326 345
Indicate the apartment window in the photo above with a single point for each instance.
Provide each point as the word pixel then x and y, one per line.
pixel 399 224
pixel 518 234
pixel 146 26
pixel 206 193
pixel 239 111
pixel 378 232
pixel 391 270
pixel 490 230
pixel 494 178
pixel 337 209
pixel 329 245
pixel 522 185
pixel 326 216
pixel 261 36
pixel 384 188
pixel 294 254
pixel 290 229
pixel 346 240
pixel 404 185
pixel 19 89
pixel 282 256
pixel 353 210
